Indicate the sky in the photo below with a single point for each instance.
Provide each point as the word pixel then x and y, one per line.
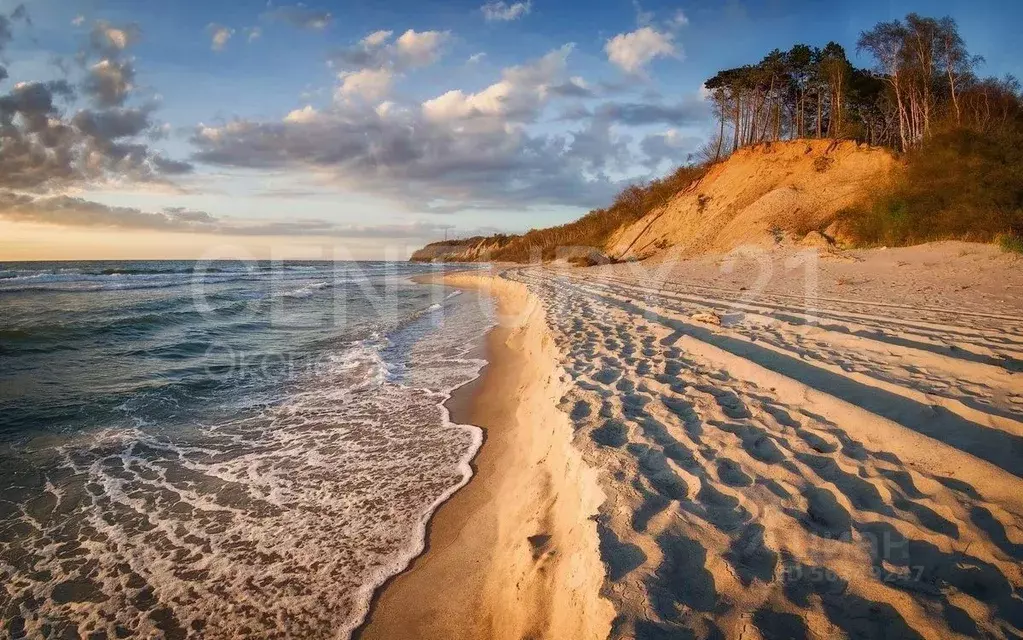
pixel 357 129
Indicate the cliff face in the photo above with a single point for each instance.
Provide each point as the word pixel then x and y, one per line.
pixel 760 193
pixel 476 249
pixel 757 196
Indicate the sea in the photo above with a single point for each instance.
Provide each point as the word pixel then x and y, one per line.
pixel 222 449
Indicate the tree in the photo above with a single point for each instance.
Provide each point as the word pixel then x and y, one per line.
pixel 886 42
pixel 835 70
pixel 800 64
pixel 922 80
pixel 958 64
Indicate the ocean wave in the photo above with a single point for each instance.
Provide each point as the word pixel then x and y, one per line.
pixel 305 291
pixel 121 281
pixel 322 452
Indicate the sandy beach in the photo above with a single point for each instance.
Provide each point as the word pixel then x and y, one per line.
pixel 514 554
pixel 767 465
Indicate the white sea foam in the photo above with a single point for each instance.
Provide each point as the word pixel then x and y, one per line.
pixel 306 290
pixel 282 522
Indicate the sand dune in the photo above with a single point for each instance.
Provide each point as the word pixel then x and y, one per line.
pixel 842 468
pixel 758 192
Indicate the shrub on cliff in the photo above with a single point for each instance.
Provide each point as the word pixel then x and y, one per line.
pixel 960 185
pixel 595 228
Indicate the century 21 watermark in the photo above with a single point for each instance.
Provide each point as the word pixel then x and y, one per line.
pixel 334 293
pixel 328 289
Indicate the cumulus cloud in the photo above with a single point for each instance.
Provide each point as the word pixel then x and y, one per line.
pixel 368 69
pixel 67 211
pixel 112 124
pixel 300 16
pixel 633 51
pixel 219 35
pixel 574 87
pixel 689 111
pixel 368 84
pixel 500 11
pixel 519 96
pixel 44 148
pixel 110 81
pixel 671 145
pixel 597 146
pixel 305 114
pixel 78 21
pixel 457 151
pixel 410 50
pixel 109 40
pixel 678 20
pixel 422 48
pixel 377 38
pixel 110 78
pixel 253 33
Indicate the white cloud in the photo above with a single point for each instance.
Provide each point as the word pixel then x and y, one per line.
pixel 410 50
pixel 632 51
pixel 254 33
pixel 500 11
pixel 219 35
pixel 460 150
pixel 476 57
pixel 78 21
pixel 456 104
pixel 377 38
pixel 519 94
pixel 671 145
pixel 370 84
pixel 388 108
pixel 425 165
pixel 643 18
pixel 680 19
pixel 110 81
pixel 303 115
pixel 421 48
pixel 118 38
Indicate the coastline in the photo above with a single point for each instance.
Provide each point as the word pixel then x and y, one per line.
pixel 516 546
pixel 753 449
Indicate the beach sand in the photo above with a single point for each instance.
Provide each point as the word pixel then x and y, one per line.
pixel 833 449
pixel 514 553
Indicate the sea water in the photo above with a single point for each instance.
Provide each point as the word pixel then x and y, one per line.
pixel 222 449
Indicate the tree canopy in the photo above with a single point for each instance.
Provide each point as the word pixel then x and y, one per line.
pixel 923 81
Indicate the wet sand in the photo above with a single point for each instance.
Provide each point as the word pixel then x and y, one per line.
pixel 514 553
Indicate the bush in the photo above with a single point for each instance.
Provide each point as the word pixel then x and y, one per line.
pixel 596 227
pixel 960 185
pixel 1011 243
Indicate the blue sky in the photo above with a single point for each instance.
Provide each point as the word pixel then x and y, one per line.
pixel 376 126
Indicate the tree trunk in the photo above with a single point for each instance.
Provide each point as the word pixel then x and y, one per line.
pixel 902 112
pixel 721 134
pixel 819 112
pixel 955 97
pixel 735 143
